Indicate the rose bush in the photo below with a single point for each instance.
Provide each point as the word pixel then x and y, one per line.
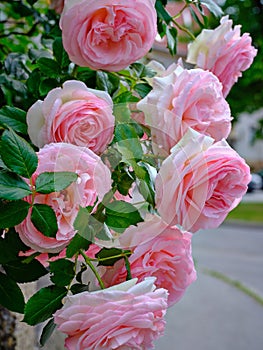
pixel 108 165
pixel 223 51
pixel 200 182
pixel 126 316
pixel 181 99
pixel 108 34
pixel 74 114
pixel 93 181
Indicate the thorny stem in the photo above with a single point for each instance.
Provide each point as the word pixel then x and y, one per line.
pixel 183 29
pixel 180 12
pixel 93 269
pixel 75 269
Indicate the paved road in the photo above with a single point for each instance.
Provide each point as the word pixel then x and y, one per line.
pixel 214 315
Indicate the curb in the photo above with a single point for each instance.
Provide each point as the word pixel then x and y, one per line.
pixel 256 225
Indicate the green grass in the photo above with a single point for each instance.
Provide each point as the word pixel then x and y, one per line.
pixel 249 212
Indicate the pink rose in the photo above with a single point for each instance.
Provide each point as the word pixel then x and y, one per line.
pixel 167 257
pixel 200 182
pixel 94 180
pixel 126 316
pixel 182 99
pixel 57 5
pixel 73 114
pixel 108 34
pixel 223 51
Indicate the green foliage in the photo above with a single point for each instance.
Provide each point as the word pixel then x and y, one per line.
pixel 10 246
pixel 11 295
pixel 247 93
pixel 17 154
pixel 54 181
pixel 62 272
pixel 14 118
pixel 23 272
pixel 120 215
pixel 47 331
pixel 33 62
pixel 108 256
pixel 44 219
pixel 12 213
pixel 12 186
pixel 43 304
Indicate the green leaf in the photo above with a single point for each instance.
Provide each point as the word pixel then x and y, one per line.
pixel 62 272
pixel 12 186
pixel 146 184
pixel 171 35
pixel 47 331
pixel 43 304
pixel 79 288
pixel 107 82
pixel 2 165
pixel 81 224
pixel 161 12
pixel 12 213
pixel 122 113
pixel 14 118
pixel 33 82
pixel 24 273
pixel 142 89
pixel 161 27
pixel 46 85
pixel 212 7
pixel 10 246
pixel 49 67
pixel 125 97
pixel 54 181
pixel 142 71
pixel 77 243
pixel 17 154
pixel 20 8
pixel 107 253
pixel 44 219
pixel 120 215
pixel 11 296
pixel 60 54
pixel 128 143
pixel 123 178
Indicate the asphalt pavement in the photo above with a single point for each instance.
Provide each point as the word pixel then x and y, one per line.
pixel 220 311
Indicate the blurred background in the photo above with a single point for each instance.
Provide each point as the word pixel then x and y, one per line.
pixel 223 309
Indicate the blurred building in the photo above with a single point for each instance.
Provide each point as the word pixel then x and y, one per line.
pixel 242 139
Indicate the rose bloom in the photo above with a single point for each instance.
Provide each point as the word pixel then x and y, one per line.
pixel 94 180
pixel 108 34
pixel 200 182
pixel 167 256
pixel 74 114
pixel 57 5
pixel 126 316
pixel 223 51
pixel 182 99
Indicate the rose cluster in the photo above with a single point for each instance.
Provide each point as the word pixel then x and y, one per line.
pixel 197 178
